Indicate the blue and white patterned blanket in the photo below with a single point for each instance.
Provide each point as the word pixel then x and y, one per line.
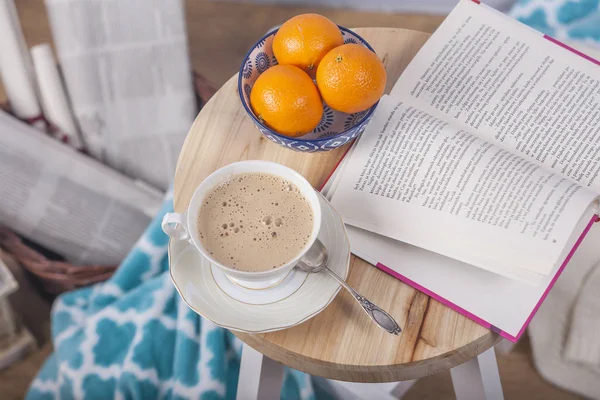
pixel 132 337
pixel 575 20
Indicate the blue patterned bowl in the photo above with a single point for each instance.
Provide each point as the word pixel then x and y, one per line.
pixel 335 129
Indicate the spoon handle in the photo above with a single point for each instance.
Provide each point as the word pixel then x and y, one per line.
pixel 380 317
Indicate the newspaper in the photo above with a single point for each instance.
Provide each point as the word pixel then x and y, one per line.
pixel 16 71
pixel 66 201
pixel 127 70
pixel 53 97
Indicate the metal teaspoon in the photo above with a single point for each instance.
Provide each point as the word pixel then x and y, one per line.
pixel 315 260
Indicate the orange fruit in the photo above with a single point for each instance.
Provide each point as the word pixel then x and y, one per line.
pixel 286 99
pixel 304 40
pixel 351 78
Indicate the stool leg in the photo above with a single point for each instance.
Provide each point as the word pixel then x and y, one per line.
pixel 478 378
pixel 368 391
pixel 260 377
pixel 401 388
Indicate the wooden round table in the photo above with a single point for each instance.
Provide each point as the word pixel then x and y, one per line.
pixel 341 342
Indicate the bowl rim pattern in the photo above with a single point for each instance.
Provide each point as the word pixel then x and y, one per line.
pixel 249 111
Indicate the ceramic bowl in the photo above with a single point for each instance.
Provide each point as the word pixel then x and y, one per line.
pixel 335 129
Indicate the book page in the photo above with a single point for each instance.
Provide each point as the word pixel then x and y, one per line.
pixel 415 178
pixel 488 298
pixel 512 86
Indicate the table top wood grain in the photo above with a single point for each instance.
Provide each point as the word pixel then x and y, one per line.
pixel 341 342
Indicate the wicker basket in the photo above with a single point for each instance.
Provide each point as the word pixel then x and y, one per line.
pixel 56 276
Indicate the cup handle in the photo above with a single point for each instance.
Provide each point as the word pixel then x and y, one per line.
pixel 173 224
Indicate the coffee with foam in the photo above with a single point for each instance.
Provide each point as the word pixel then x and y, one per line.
pixel 255 222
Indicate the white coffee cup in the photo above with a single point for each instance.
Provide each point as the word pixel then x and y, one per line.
pixel 183 226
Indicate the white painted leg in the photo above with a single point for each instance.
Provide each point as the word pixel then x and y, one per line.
pixel 401 388
pixel 478 378
pixel 260 377
pixel 368 391
pixel 488 365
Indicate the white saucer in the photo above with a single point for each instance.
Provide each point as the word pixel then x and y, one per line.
pixel 281 290
pixel 297 298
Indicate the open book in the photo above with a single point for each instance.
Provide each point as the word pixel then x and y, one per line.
pixel 487 152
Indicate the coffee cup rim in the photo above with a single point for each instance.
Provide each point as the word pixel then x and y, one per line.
pixel 222 174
